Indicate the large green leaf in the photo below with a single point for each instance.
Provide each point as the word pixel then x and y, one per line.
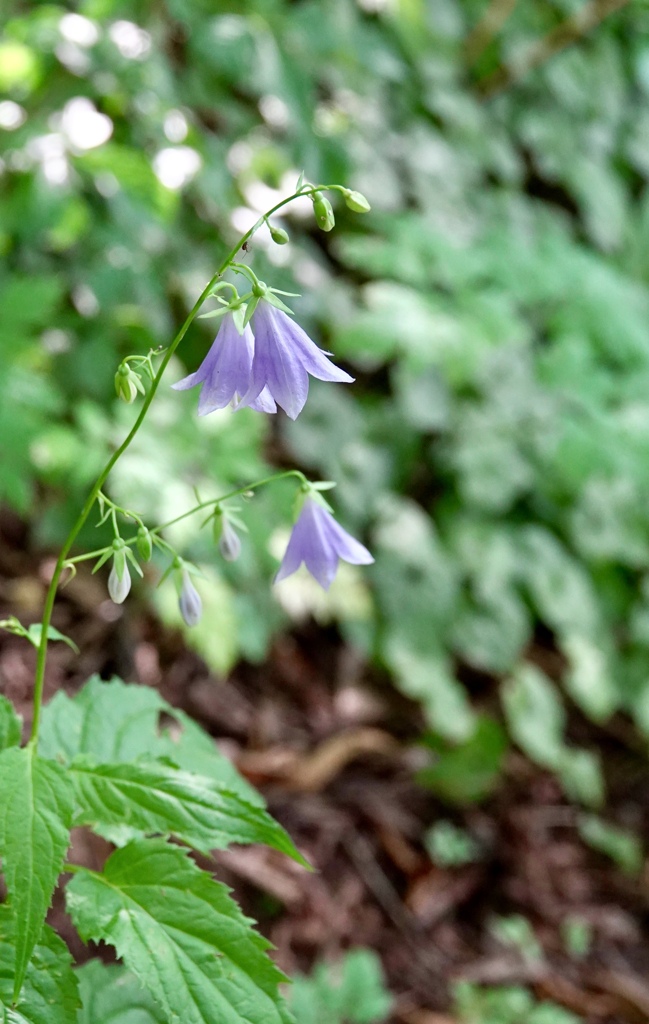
pixel 36 803
pixel 49 993
pixel 181 934
pixel 112 995
pixel 116 721
pixel 126 799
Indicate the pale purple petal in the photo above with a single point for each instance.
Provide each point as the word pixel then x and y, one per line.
pixel 284 357
pixel 312 358
pixel 347 547
pixel 265 402
pixel 225 371
pixel 319 541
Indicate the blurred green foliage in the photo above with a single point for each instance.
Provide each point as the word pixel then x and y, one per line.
pixel 494 307
pixel 351 992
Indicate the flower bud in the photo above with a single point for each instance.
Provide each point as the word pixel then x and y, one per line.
pixel 356 201
pixel 278 235
pixel 230 542
pixel 144 543
pixel 189 601
pixel 119 584
pixel 323 210
pixel 127 383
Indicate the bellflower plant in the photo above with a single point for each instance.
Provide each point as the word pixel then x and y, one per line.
pixel 319 542
pixel 99 760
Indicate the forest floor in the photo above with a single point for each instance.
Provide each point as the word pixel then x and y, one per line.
pixel 333 748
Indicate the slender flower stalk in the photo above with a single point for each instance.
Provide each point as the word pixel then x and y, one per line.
pixel 319 542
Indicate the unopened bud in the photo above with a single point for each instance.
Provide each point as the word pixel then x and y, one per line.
pixel 230 542
pixel 323 210
pixel 278 235
pixel 119 584
pixel 144 543
pixel 127 383
pixel 356 201
pixel 189 601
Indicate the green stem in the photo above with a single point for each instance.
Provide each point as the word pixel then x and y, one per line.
pixel 39 678
pixel 230 494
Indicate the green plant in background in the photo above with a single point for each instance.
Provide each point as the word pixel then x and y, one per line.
pixel 350 992
pixel 475 1004
pixel 90 761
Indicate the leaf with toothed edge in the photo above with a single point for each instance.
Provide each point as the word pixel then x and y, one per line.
pixel 36 804
pixel 181 934
pixel 123 801
pixel 49 994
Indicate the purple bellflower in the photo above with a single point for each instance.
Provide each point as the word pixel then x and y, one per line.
pixel 225 373
pixel 319 541
pixel 284 356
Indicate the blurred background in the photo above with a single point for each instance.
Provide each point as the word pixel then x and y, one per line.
pixel 456 736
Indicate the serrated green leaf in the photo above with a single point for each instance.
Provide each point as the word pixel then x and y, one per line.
pixel 115 721
pixel 124 800
pixel 112 995
pixel 181 934
pixel 49 994
pixel 10 724
pixel 36 803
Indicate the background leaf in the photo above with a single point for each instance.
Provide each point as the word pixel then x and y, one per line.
pixel 112 995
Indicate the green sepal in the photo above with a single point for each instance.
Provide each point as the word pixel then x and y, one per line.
pixel 212 314
pixel 250 309
pixel 239 317
pixel 134 562
pixel 277 302
pixel 108 552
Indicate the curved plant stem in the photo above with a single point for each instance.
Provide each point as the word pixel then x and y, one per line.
pixel 39 678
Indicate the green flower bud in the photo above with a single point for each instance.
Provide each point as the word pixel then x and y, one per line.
pixel 127 383
pixel 278 235
pixel 356 201
pixel 323 210
pixel 144 543
pixel 217 525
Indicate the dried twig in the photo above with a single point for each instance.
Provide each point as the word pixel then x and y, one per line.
pixel 569 31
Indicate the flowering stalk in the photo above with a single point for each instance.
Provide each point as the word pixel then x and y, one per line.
pixel 93 496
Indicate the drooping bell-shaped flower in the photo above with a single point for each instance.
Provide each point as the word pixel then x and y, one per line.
pixel 189 601
pixel 284 356
pixel 225 373
pixel 319 542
